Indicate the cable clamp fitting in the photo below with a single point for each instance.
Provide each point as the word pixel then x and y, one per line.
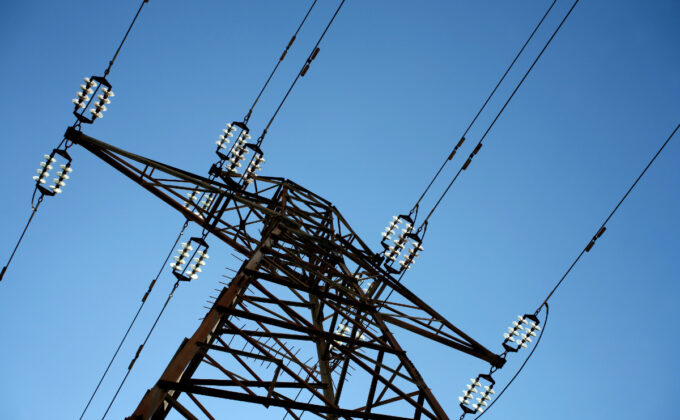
pixel 455 149
pixel 309 62
pixel 472 155
pixel 139 351
pixel 146 295
pixel 599 233
pixel 287 48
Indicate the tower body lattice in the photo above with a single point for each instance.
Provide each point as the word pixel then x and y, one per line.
pixel 306 322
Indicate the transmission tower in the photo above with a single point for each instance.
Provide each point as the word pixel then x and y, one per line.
pixel 311 306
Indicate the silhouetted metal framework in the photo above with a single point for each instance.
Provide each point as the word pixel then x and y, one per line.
pixel 306 310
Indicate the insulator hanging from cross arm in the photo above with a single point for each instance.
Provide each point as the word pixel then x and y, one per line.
pixel 400 242
pixel 240 146
pixel 255 164
pixel 207 200
pixel 394 244
pixel 62 175
pixel 477 393
pixel 413 253
pixel 520 334
pixel 192 200
pixel 191 256
pixel 408 236
pixel 342 330
pixel 230 162
pixel 97 105
pixel 199 201
pixel 81 100
pixel 227 168
pixel 227 133
pixel 346 331
pixel 391 227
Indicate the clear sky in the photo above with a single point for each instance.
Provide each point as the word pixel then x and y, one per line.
pixel 392 89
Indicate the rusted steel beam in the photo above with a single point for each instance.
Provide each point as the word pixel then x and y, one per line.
pixel 419 412
pixel 239 352
pixel 282 336
pixel 153 400
pixel 392 387
pixel 380 402
pixel 434 337
pixel 395 372
pixel 289 371
pixel 300 328
pixel 322 351
pixel 308 289
pixel 256 384
pixel 408 365
pixel 181 409
pixel 285 302
pixel 200 406
pixel 221 393
pixel 374 383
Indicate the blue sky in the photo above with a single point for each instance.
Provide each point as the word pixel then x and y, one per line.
pixel 392 89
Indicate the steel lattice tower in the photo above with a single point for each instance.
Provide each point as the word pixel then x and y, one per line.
pixel 310 306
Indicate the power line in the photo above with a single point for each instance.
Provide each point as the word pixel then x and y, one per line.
pixel 479 144
pixel 120 46
pixel 602 227
pixel 34 205
pixel 302 72
pixel 153 327
pixel 588 247
pixel 420 232
pixel 139 350
pixel 134 319
pixel 462 137
pixel 283 55
pixel 34 209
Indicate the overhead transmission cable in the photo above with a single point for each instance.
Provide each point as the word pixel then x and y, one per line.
pixel 122 42
pixel 600 231
pixel 301 73
pixel 139 349
pixel 500 112
pixel 486 102
pixel 423 224
pixel 603 227
pixel 415 236
pixel 283 55
pixel 182 275
pixel 134 319
pixel 35 205
pixel 34 209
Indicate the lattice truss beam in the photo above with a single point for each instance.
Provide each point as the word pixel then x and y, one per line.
pixel 305 313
